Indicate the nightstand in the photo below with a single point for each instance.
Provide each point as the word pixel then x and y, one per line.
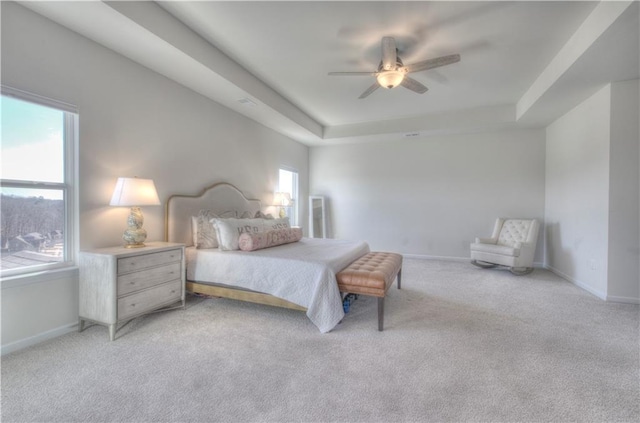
pixel 118 284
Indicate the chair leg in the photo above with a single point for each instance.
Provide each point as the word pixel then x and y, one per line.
pixel 380 313
pixel 483 264
pixel 518 272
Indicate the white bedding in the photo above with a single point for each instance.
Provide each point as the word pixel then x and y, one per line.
pixel 301 272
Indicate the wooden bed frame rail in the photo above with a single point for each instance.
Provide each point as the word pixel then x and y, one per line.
pixel 241 295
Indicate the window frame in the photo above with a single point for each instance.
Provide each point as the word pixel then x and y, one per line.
pixel 69 188
pixel 294 195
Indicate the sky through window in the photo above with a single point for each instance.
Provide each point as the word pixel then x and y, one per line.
pixel 32 140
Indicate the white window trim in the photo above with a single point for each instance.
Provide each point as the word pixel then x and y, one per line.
pixel 38 99
pixel 43 276
pixel 296 189
pixel 37 274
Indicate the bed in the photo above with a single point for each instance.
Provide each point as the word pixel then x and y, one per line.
pixel 298 275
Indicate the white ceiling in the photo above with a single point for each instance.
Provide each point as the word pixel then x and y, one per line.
pixel 522 63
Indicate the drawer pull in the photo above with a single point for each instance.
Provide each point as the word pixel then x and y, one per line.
pixel 133 305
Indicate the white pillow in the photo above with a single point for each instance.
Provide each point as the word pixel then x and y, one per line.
pixel 205 233
pixel 229 231
pixel 275 224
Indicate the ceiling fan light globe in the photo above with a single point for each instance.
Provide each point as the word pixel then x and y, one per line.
pixel 390 79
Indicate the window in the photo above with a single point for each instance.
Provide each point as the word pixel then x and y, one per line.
pixel 288 182
pixel 36 183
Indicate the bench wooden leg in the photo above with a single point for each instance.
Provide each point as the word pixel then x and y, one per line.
pixel 380 313
pixel 399 277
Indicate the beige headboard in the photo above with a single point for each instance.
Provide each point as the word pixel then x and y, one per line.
pixel 219 198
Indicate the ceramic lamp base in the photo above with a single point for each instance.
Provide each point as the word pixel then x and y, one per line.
pixel 135 235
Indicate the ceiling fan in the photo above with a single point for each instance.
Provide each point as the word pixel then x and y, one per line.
pixel 392 72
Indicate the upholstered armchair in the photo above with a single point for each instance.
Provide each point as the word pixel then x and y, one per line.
pixel 512 244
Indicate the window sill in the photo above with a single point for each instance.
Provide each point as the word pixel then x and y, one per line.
pixel 39 277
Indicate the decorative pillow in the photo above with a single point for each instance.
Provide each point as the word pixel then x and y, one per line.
pixel 256 241
pixel 260 215
pixel 273 224
pixel 229 231
pixel 205 233
pixel 245 215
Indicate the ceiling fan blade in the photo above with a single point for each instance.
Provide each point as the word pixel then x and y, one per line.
pixel 433 63
pixel 389 53
pixel 370 90
pixel 352 73
pixel 414 85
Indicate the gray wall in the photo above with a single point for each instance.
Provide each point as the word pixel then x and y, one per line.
pixel 624 188
pixel 592 194
pixel 133 122
pixel 430 196
pixel 577 193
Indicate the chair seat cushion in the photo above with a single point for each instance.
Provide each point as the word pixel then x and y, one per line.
pixel 495 249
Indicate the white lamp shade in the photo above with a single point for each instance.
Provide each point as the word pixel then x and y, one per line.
pixel 133 192
pixel 282 198
pixel 390 79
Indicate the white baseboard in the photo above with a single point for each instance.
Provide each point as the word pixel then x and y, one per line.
pixel 589 289
pixel 458 259
pixel 36 339
pixel 626 300
pixel 445 258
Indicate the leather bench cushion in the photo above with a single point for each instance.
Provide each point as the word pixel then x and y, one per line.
pixel 372 274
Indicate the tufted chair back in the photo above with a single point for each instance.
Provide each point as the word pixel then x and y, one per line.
pixel 514 231
pixel 512 244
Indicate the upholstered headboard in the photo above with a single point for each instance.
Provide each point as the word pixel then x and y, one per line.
pixel 219 198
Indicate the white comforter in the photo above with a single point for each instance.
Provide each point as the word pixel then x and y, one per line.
pixel 301 272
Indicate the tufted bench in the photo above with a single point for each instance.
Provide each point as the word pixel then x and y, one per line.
pixel 372 274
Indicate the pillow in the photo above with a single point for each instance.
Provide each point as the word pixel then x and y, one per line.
pixel 256 241
pixel 205 235
pixel 260 215
pixel 273 224
pixel 229 231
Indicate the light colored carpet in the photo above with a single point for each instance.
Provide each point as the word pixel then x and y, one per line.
pixel 460 344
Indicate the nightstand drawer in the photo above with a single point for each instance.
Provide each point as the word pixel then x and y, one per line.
pixel 143 261
pixel 136 281
pixel 149 299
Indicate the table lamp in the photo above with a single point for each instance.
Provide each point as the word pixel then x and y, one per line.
pixel 134 192
pixel 282 199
